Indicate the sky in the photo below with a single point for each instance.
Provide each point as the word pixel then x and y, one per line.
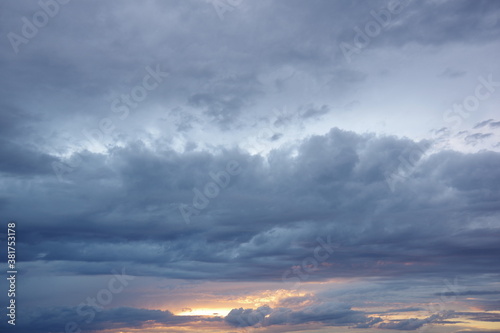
pixel 251 166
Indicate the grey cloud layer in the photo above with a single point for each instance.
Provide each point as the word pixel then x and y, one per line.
pixel 66 319
pixel 103 55
pixel 269 216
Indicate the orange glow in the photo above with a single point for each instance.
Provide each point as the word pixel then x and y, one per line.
pixel 213 312
pixel 222 307
pixel 268 297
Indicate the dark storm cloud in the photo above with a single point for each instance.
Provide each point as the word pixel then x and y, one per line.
pixel 410 309
pixel 475 138
pixel 311 111
pixel 19 160
pixel 224 98
pixel 414 323
pixel 399 23
pixel 452 73
pixel 334 314
pixel 473 22
pixel 247 317
pixel 482 316
pixel 71 319
pixel 276 137
pixel 483 123
pixel 19 156
pixel 213 66
pixel 16 122
pixel 486 331
pixel 473 293
pixel 269 216
pixel 495 124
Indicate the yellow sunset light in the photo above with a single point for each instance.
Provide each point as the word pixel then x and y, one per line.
pixel 213 312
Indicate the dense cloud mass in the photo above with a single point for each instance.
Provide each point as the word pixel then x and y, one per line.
pixel 257 165
pixel 331 314
pixel 335 185
pixel 64 319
